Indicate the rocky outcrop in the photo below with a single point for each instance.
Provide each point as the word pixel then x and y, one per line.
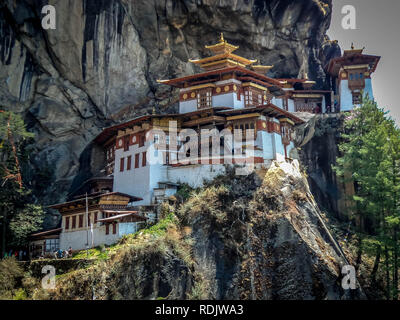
pixel 256 237
pixel 263 237
pixel 101 63
pixel 318 141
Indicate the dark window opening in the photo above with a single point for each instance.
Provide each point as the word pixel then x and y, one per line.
pixel 144 159
pixel 81 221
pixel 137 160
pixel 129 164
pixel 114 228
pixel 121 164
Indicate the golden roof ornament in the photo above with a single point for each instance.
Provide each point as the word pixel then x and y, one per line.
pixel 353 50
pixel 307 83
pixel 222 46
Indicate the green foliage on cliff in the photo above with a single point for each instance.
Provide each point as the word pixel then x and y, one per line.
pixel 10 275
pixel 370 162
pixel 18 215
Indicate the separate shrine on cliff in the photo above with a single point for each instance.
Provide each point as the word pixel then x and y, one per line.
pixel 230 114
pixel 351 77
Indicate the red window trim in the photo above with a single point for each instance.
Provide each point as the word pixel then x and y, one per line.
pixel 73 222
pixel 129 163
pixel 121 164
pixel 107 228
pixel 141 140
pixel 66 223
pixel 114 228
pixel 144 160
pixel 81 221
pixel 137 155
pixel 126 143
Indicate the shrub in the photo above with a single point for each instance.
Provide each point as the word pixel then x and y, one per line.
pixel 10 274
pixel 20 295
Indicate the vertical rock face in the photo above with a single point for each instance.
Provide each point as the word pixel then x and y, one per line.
pixel 102 61
pixel 318 140
pixel 264 239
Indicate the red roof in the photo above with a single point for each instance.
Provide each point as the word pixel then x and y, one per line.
pixel 178 82
pixel 46 233
pixel 358 58
pixel 94 196
pixel 273 109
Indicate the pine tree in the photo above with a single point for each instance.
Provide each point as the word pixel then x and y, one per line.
pixel 370 158
pixel 18 216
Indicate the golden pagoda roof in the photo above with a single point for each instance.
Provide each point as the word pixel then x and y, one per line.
pixel 222 46
pixel 223 57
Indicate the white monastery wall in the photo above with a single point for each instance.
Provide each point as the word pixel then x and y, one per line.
pixel 188 106
pixel 194 175
pixel 77 239
pixel 136 181
pixel 368 88
pixel 346 97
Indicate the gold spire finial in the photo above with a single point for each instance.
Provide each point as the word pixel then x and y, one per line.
pixel 352 46
pixel 221 38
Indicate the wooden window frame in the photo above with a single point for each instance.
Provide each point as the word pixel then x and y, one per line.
pixel 107 228
pixel 66 223
pixel 126 143
pixel 204 98
pixel 129 163
pixel 73 222
pixel 80 225
pixel 121 164
pixel 252 97
pixel 114 231
pixel 137 160
pixel 142 140
pixel 144 159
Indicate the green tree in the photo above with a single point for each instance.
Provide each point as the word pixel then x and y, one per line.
pixel 18 216
pixel 370 154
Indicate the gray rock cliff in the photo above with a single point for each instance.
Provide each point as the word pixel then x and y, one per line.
pixel 101 64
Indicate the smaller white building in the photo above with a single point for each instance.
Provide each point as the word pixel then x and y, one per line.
pixel 351 77
pixel 97 219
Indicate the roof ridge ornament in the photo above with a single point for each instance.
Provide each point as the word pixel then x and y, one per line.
pixel 222 46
